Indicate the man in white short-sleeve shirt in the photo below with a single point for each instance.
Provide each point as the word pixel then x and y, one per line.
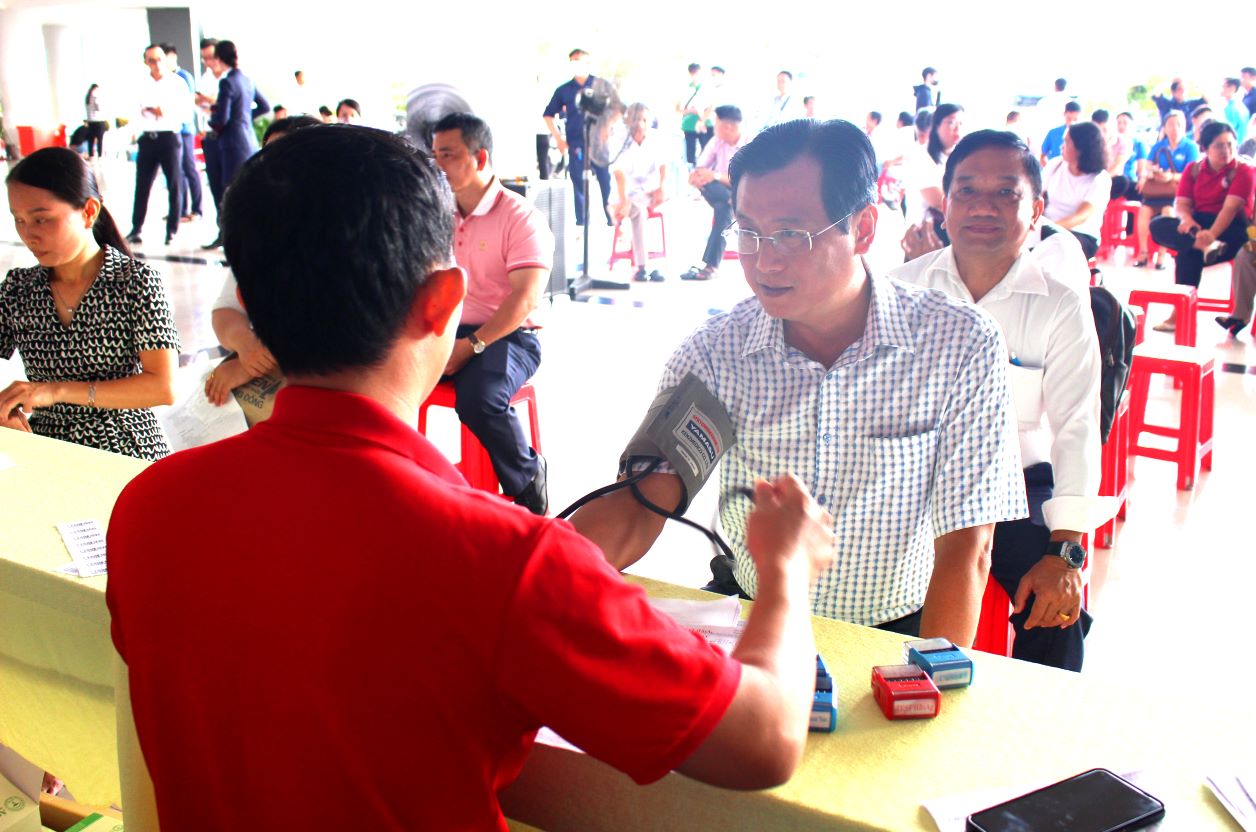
pixel 165 104
pixel 993 203
pixel 889 401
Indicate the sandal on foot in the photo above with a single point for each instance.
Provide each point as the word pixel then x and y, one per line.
pixel 640 277
pixel 704 273
pixel 656 276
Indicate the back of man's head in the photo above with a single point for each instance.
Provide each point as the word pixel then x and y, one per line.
pixel 997 140
pixel 1072 107
pixel 694 68
pixel 1060 84
pixel 329 263
pixel 874 117
pixel 1232 84
pixel 905 119
pixel 475 133
pixel 1100 116
pixel 926 72
pixel 727 112
pixel 848 168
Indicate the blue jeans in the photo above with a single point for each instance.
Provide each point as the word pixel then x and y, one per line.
pixel 575 155
pixel 484 387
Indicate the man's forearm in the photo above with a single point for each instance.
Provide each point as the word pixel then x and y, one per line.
pixel 961 567
pixel 511 315
pixel 622 527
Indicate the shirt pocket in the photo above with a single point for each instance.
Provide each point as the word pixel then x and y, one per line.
pixel 1026 386
pixel 887 499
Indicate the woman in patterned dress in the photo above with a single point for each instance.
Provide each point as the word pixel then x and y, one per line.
pixel 95 332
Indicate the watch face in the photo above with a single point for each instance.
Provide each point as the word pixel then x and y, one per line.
pixel 1074 554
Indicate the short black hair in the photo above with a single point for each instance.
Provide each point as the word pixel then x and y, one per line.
pixel 924 120
pixel 728 112
pixel 1072 107
pixel 1211 131
pixel 329 264
pixel 1248 70
pixel 905 118
pixel 926 72
pixel 169 49
pixel 475 132
pixel 848 167
pixel 574 53
pixel 297 73
pixel 226 52
pixel 1012 115
pixel 1100 116
pixel 1060 84
pixel 1232 82
pixel 694 68
pixel 350 103
pixel 209 43
pixel 718 69
pixel 1199 111
pixel 324 110
pixel 875 116
pixel 999 140
pixel 807 99
pixel 787 74
pixel 1092 150
pixel 284 126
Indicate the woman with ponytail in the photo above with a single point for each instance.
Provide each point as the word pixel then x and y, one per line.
pixel 95 332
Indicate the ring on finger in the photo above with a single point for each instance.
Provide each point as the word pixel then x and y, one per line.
pixel 1064 616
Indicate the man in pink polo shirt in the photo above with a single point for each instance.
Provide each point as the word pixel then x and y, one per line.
pixel 506 248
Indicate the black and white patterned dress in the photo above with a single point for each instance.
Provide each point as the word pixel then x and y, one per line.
pixel 123 313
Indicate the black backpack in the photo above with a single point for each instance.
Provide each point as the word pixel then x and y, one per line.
pixel 1114 326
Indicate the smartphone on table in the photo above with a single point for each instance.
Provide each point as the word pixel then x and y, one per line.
pixel 1093 801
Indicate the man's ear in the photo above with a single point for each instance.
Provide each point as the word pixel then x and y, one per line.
pixel 863 228
pixel 1040 205
pixel 439 300
pixel 481 158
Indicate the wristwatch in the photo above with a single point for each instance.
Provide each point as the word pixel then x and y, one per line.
pixel 477 346
pixel 1072 553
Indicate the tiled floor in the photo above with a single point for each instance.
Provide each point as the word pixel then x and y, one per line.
pixel 1181 572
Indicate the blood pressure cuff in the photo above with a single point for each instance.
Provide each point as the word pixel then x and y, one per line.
pixel 688 427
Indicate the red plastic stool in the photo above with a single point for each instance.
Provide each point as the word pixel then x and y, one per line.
pixel 475 465
pixel 1194 369
pixel 1115 466
pixel 1185 302
pixel 626 254
pixel 1112 234
pixel 1140 326
pixel 994 631
pixel 1225 304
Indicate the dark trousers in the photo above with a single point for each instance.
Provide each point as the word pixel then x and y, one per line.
pixel 720 198
pixel 1188 261
pixel 1018 545
pixel 96 138
pixel 693 141
pixel 191 177
pixel 164 150
pixel 484 388
pixel 213 167
pixel 232 156
pixel 575 153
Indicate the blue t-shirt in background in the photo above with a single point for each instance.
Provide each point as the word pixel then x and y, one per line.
pixel 1131 165
pixel 1053 144
pixel 1187 151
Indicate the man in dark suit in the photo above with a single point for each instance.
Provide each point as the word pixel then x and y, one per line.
pixel 231 118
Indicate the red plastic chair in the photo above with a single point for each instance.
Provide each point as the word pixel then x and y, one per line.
pixel 626 254
pixel 475 465
pixel 1225 304
pixel 1194 370
pixel 1115 466
pixel 995 633
pixel 1185 302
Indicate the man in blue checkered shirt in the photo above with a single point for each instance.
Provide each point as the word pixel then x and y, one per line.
pixel 889 401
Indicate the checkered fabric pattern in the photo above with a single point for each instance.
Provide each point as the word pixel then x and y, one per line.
pixel 908 436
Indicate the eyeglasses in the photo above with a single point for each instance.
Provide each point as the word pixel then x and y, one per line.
pixel 787 241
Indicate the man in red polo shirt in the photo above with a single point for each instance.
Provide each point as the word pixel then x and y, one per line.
pixel 507 250
pixel 379 642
